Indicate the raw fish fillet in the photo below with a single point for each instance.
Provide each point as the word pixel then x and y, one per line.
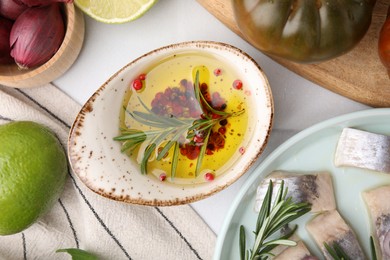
pixel 298 252
pixel 315 188
pixel 330 228
pixel 362 149
pixel 378 204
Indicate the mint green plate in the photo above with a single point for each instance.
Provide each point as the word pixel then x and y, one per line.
pixel 311 150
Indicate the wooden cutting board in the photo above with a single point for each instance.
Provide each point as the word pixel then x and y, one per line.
pixel 358 75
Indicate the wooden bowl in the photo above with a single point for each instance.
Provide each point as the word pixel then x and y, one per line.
pixel 12 76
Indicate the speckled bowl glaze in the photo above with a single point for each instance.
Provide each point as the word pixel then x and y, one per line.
pixel 97 160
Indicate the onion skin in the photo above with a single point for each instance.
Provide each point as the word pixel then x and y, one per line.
pixel 5 30
pixel 36 35
pixel 31 3
pixel 11 9
pixel 384 43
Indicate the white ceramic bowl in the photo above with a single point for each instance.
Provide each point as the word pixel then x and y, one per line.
pixel 96 158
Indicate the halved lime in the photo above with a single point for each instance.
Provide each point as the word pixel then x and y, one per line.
pixel 115 11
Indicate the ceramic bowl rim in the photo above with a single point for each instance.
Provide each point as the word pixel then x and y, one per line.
pixel 178 46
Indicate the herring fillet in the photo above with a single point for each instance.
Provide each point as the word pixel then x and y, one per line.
pixel 297 252
pixel 363 149
pixel 330 228
pixel 315 188
pixel 378 204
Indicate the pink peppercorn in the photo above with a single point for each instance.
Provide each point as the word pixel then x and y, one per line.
pixel 142 76
pixel 209 176
pixel 237 84
pixel 137 84
pixel 162 177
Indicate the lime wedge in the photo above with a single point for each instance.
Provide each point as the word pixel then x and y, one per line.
pixel 115 11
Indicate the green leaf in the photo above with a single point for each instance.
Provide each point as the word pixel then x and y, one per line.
pixel 202 153
pixel 133 135
pixel 271 218
pixel 148 152
pixel 78 254
pixel 373 250
pixel 336 252
pixel 130 145
pixel 265 207
pixel 165 150
pixel 196 88
pixel 269 248
pixel 210 108
pixel 284 242
pixel 175 160
pixel 242 243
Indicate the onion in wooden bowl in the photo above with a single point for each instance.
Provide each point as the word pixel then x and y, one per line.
pixel 11 75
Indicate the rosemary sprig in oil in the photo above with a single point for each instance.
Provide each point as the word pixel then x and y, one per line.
pixel 167 130
pixel 271 218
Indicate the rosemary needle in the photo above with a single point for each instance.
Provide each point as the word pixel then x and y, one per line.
pixel 272 217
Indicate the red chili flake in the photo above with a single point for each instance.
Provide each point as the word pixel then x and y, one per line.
pixel 203 87
pixel 198 139
pixel 142 76
pixel 209 152
pixel 215 116
pixel 237 84
pixel 222 130
pixel 192 152
pixel 183 150
pixel 217 72
pixel 162 177
pixel 207 97
pixel 209 176
pixel 137 84
pixel 216 141
pixel 241 150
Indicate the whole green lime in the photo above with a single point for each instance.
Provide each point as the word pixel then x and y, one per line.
pixel 33 168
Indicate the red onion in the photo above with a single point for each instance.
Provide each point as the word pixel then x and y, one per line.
pixel 43 2
pixel 36 35
pixel 11 9
pixel 5 29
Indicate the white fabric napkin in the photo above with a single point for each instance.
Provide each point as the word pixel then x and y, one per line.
pixel 85 220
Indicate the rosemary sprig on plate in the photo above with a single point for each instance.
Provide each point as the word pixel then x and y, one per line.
pixel 271 218
pixel 373 250
pixel 337 253
pixel 167 130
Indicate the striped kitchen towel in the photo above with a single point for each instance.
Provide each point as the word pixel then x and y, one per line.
pixel 85 220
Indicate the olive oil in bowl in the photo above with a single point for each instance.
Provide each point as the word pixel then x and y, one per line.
pixel 184 118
